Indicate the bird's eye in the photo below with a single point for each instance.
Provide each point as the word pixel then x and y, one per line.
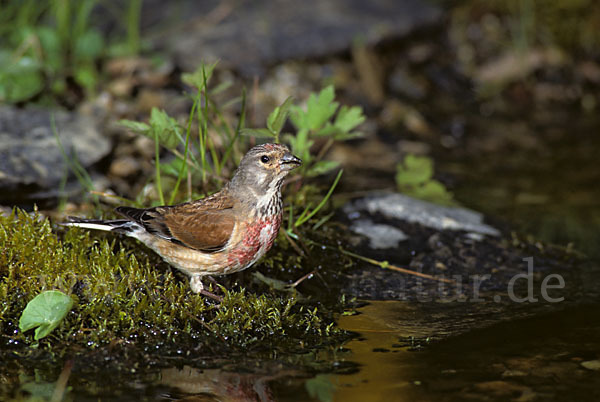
pixel 265 159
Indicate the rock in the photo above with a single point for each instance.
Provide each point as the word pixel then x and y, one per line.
pixel 513 65
pixel 124 166
pixel 380 236
pixel 591 365
pixel 398 206
pixel 255 34
pixel 31 163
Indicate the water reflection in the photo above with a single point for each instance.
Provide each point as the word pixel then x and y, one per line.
pixel 551 356
pixel 192 384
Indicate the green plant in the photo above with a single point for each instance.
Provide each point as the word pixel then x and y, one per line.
pixel 47 45
pixel 208 160
pixel 414 177
pixel 166 132
pixel 45 312
pixel 322 118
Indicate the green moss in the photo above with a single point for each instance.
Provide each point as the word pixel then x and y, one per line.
pixel 122 298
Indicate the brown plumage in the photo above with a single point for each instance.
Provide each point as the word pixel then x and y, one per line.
pixel 220 234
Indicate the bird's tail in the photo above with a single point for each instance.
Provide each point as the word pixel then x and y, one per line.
pixel 117 225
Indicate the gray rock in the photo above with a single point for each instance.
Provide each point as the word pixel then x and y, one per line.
pixel 380 236
pixel 398 206
pixel 253 34
pixel 31 163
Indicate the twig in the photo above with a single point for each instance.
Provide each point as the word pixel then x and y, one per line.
pixel 302 279
pixel 385 264
pixel 293 243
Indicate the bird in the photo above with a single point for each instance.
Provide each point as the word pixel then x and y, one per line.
pixel 223 233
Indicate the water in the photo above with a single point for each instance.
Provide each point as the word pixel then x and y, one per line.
pixel 537 358
pixel 549 188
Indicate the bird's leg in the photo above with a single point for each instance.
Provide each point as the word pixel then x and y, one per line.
pixel 218 286
pixel 196 283
pixel 213 280
pixel 198 287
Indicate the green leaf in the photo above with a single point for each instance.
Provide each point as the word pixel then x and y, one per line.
pixel 328 130
pixel 164 127
pixel 343 136
pixel 272 282
pixel 221 88
pixel 257 132
pixel 331 131
pixel 199 77
pixel 45 312
pixel 433 191
pixel 135 126
pixel 53 52
pixel 349 118
pixel 89 46
pixel 20 79
pixel 174 167
pixel 277 118
pixel 414 170
pixel 322 167
pixel 86 76
pixel 320 108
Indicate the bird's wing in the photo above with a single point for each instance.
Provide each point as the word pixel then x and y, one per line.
pixel 204 225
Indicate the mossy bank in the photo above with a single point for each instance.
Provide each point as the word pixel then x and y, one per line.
pixel 122 298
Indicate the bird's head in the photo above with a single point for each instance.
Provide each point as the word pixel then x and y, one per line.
pixel 264 167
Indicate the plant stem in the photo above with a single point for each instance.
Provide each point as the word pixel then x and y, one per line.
pixel 183 167
pixel 133 26
pixel 305 218
pixel 157 164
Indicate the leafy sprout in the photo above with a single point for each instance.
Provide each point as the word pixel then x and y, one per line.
pixel 414 177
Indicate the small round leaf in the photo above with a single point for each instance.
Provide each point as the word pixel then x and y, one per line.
pixel 45 312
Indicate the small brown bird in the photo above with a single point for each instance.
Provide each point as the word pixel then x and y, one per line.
pixel 221 234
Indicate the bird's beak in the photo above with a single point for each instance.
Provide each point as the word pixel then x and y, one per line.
pixel 289 161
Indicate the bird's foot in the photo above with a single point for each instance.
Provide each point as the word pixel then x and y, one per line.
pixel 198 287
pixel 196 283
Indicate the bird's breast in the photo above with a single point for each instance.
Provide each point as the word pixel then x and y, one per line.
pixel 256 238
